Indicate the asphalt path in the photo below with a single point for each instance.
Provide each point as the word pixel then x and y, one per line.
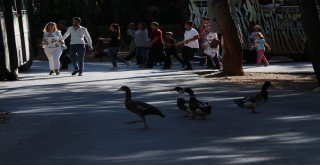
pixel 80 120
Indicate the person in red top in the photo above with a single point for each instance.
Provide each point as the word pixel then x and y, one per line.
pixel 202 28
pixel 156 46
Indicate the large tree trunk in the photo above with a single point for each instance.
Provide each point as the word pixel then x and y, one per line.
pixel 311 26
pixel 232 57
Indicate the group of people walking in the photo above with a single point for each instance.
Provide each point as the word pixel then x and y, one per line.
pixel 149 49
pixel 156 47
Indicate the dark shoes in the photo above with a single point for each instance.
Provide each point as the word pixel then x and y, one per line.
pixel 57 72
pixel 74 72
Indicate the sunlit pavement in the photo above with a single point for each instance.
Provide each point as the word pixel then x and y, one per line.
pixel 281 67
pixel 80 120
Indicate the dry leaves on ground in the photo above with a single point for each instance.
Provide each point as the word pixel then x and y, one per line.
pixel 293 81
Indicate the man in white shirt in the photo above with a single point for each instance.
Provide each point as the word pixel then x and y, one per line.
pixel 78 44
pixel 191 44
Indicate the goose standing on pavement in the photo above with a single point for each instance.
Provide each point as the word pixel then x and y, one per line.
pixel 182 103
pixel 252 102
pixel 140 108
pixel 197 107
pixel 4 115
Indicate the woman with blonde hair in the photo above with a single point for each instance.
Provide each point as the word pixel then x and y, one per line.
pixel 52 41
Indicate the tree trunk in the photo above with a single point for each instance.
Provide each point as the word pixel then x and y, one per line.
pixel 311 26
pixel 232 57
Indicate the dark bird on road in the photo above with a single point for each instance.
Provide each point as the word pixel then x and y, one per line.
pixel 4 115
pixel 182 103
pixel 197 107
pixel 252 102
pixel 140 108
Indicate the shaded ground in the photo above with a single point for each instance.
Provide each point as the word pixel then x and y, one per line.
pixel 293 81
pixel 66 120
pixel 4 116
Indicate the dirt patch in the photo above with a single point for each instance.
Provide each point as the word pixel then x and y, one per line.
pixel 293 81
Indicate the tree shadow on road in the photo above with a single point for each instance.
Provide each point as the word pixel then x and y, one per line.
pixel 82 122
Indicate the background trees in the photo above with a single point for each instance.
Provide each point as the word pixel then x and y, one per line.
pixel 97 14
pixel 102 12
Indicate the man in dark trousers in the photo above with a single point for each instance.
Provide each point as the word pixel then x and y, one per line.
pixel 80 37
pixel 156 46
pixel 190 44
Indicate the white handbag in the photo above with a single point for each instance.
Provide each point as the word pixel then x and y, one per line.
pixel 64 47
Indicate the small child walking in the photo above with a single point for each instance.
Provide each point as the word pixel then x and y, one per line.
pixel 170 47
pixel 259 45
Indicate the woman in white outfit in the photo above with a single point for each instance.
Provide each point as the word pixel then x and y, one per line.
pixel 52 41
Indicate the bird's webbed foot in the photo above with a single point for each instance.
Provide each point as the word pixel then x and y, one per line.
pixel 254 112
pixel 187 114
pixel 193 117
pixel 133 122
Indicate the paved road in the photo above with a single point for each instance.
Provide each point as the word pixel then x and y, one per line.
pixel 281 67
pixel 71 120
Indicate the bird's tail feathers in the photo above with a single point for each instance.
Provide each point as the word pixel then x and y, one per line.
pixel 240 104
pixel 208 109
